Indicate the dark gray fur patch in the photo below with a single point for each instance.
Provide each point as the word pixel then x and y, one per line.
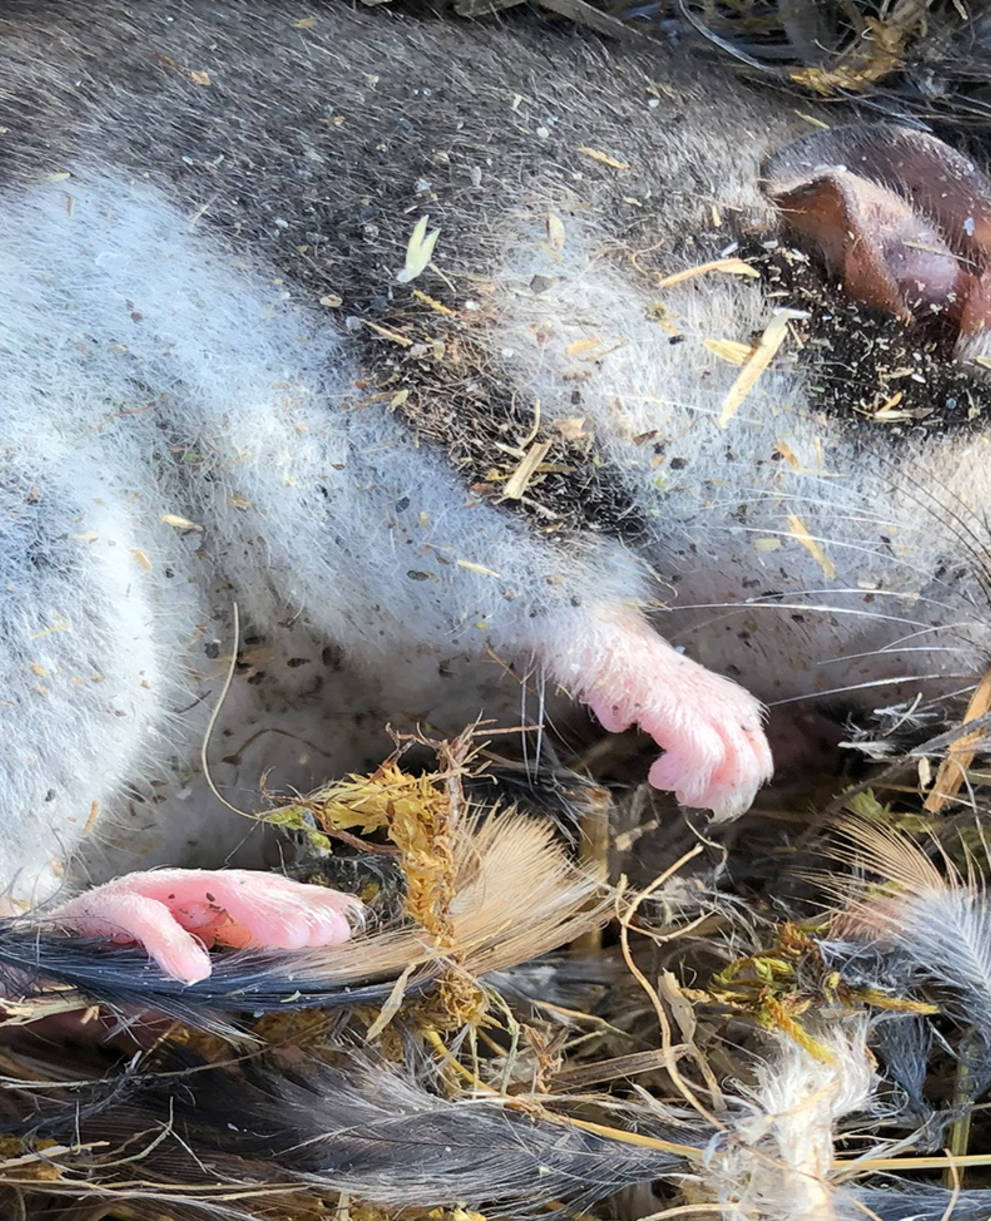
pixel 314 142
pixel 31 543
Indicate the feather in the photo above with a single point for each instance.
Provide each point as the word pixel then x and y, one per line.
pixel 366 1129
pixel 775 1162
pixel 935 922
pixel 905 1201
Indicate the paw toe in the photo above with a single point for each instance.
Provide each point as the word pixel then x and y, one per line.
pixel 713 766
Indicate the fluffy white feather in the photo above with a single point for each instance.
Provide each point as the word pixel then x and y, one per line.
pixel 776 1162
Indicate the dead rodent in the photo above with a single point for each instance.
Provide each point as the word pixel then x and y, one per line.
pixel 434 350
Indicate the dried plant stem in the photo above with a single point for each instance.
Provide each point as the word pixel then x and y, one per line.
pixel 667 1043
pixel 875 1165
pixel 960 755
pixel 594 860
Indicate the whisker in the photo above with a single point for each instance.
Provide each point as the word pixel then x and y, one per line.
pixel 777 497
pixel 525 737
pixel 934 627
pixel 738 608
pixel 921 648
pixel 856 591
pixel 877 682
pixel 541 715
pixel 967 538
pixel 950 695
pixel 875 551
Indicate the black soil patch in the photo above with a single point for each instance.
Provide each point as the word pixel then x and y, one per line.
pixel 865 366
pixel 455 393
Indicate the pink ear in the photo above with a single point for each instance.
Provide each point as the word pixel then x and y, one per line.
pixel 883 252
pixel 900 218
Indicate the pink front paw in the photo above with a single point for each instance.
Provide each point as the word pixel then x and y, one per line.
pixel 716 754
pixel 176 913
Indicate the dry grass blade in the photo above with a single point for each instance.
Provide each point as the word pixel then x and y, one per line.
pixel 518 482
pixel 960 754
pixel 732 267
pixel 763 354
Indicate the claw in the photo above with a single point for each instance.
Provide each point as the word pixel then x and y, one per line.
pixel 716 754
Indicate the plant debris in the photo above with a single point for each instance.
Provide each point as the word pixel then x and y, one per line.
pixel 639 1040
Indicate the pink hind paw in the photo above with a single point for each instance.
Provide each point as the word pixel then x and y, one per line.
pixel 176 913
pixel 716 754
